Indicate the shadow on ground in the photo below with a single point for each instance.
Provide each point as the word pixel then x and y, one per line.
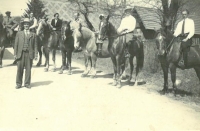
pixel 41 83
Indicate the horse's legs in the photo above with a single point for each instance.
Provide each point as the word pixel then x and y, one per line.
pixel 197 70
pixel 69 60
pixel 118 78
pixel 131 68
pixel 93 65
pixel 46 53
pixel 173 77
pixel 115 70
pixel 2 49
pixel 125 67
pixel 63 67
pixel 54 59
pixel 40 55
pixel 86 65
pixel 138 69
pixel 165 72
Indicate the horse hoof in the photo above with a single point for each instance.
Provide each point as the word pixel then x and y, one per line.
pixel 38 64
pixel 53 70
pixel 83 75
pixel 60 72
pixel 123 77
pixel 45 69
pixel 69 72
pixel 119 85
pixel 163 91
pixel 93 76
pixel 114 83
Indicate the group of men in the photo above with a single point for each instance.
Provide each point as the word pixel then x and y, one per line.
pixel 25 48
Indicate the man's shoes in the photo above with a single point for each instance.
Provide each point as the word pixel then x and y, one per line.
pixel 18 86
pixel 28 86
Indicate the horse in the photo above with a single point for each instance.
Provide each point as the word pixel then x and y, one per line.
pixel 136 49
pixel 169 56
pixel 116 48
pixel 3 42
pixel 66 46
pixel 49 39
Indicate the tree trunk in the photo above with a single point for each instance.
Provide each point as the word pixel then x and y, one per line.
pixel 89 24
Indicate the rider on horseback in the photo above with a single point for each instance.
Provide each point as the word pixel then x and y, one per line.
pixel 33 23
pixel 10 24
pixel 185 30
pixel 126 28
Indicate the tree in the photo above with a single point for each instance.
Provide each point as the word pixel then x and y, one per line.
pixel 85 7
pixel 35 6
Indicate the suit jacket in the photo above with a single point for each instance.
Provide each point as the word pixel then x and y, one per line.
pixel 32 45
pixel 58 24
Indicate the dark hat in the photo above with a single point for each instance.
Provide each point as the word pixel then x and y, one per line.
pixel 8 12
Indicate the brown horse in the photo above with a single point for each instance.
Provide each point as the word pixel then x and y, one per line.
pixel 116 49
pixel 169 56
pixel 47 37
pixel 66 47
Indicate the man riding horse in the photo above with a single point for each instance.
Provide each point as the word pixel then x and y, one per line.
pixel 10 24
pixel 126 28
pixel 33 23
pixel 185 31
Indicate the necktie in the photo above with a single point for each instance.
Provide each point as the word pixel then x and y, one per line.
pixel 183 27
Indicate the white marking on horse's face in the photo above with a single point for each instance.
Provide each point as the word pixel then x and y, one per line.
pixel 77 37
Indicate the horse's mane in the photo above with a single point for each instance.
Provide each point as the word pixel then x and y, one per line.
pixel 112 29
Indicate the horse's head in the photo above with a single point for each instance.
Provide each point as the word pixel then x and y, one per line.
pixel 103 29
pixel 65 30
pixel 161 42
pixel 43 26
pixel 77 38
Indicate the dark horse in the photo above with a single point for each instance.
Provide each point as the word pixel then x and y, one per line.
pixel 116 49
pixel 66 46
pixel 47 37
pixel 3 42
pixel 169 56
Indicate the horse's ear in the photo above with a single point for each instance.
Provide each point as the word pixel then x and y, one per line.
pixel 107 19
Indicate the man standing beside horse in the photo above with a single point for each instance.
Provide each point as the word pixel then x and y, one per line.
pixel 185 30
pixel 25 50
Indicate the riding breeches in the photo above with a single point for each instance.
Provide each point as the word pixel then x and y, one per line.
pixel 10 32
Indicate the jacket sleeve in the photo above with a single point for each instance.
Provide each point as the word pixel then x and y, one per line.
pixel 52 23
pixel 16 44
pixel 15 23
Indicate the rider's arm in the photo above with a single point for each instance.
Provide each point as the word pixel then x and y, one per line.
pixel 15 24
pixel 192 29
pixel 178 29
pixel 34 24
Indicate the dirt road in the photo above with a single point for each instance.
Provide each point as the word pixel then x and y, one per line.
pixel 71 103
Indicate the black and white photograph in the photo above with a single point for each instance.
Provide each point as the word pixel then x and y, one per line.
pixel 100 65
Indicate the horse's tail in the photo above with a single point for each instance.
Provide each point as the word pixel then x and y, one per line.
pixel 140 62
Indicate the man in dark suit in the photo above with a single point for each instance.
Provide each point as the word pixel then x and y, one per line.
pixel 25 50
pixel 56 23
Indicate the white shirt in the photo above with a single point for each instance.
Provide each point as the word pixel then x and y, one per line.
pixel 27 32
pixel 56 21
pixel 189 28
pixel 127 23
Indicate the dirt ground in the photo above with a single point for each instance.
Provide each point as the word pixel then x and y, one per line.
pixel 60 102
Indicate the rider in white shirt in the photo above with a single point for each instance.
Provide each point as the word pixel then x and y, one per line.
pixel 126 28
pixel 185 30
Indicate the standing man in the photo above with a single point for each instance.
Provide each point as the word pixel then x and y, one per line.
pixel 33 22
pixel 126 28
pixel 185 30
pixel 25 50
pixel 78 20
